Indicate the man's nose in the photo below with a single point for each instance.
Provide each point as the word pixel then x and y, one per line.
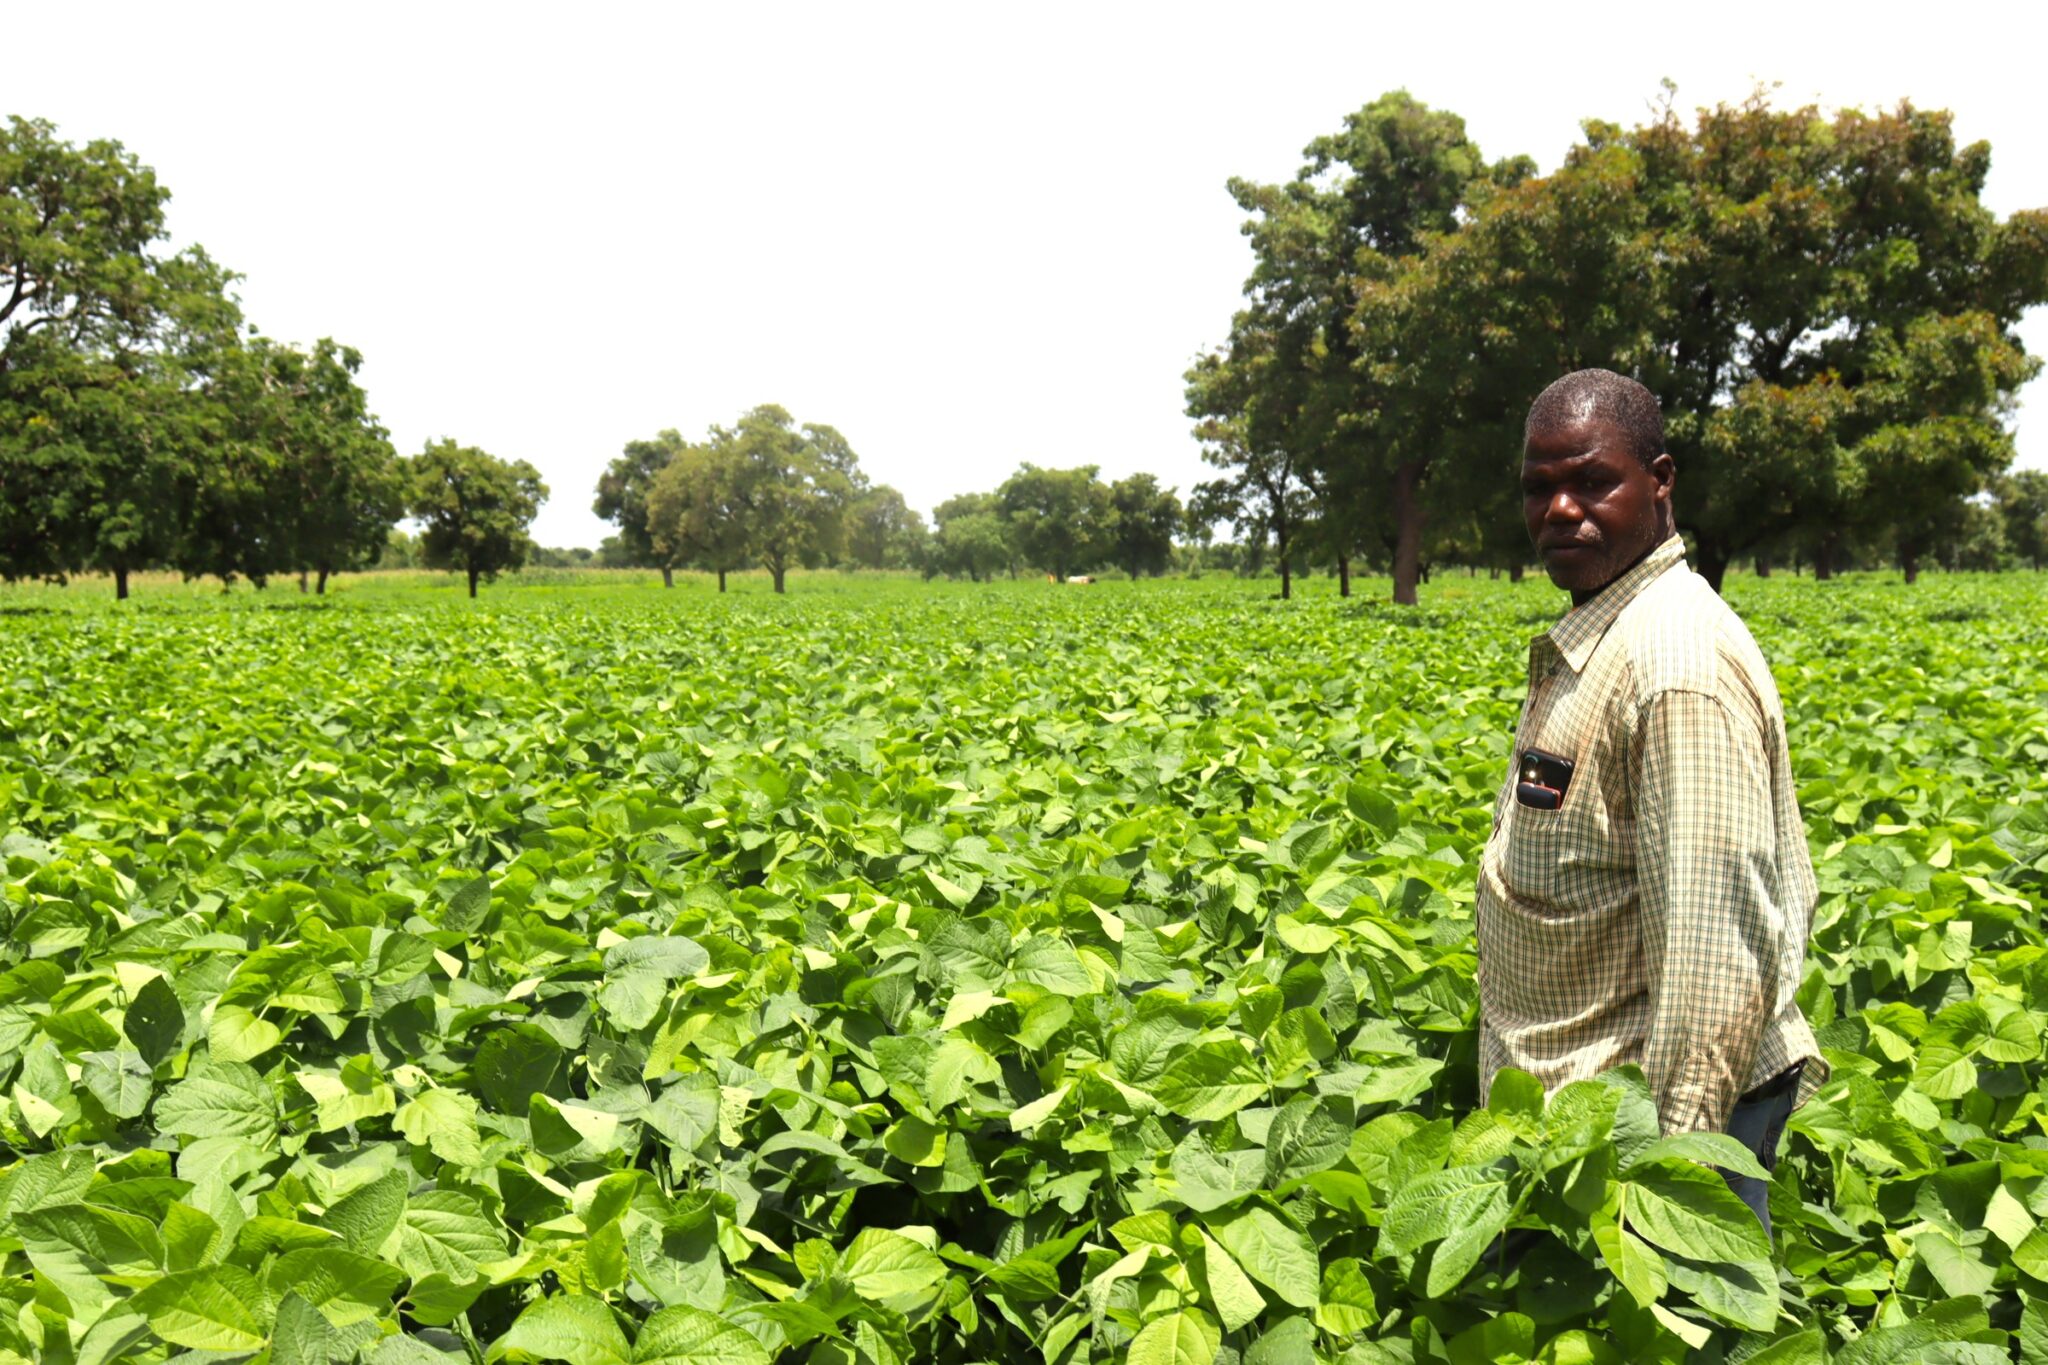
pixel 1564 508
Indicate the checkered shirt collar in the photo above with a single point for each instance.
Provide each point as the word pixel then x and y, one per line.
pixel 1578 634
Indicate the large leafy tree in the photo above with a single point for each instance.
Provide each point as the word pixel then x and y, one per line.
pixel 694 515
pixel 763 490
pixel 1143 520
pixel 2023 504
pixel 1825 284
pixel 299 476
pixel 1293 382
pixel 105 352
pixel 1059 519
pixel 882 531
pixel 474 510
pixel 623 491
pixel 970 537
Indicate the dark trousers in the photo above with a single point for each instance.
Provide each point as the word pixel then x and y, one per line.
pixel 1758 1122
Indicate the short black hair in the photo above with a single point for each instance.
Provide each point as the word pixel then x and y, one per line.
pixel 1605 395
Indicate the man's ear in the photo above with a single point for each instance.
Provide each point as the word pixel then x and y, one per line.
pixel 1665 471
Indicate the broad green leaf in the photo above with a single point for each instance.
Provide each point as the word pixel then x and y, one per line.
pixel 1234 1297
pixel 1211 1081
pixel 690 1336
pixel 365 1216
pixel 444 1121
pixel 881 1264
pixel 568 1327
pixel 218 1099
pixel 1187 1337
pixel 213 1308
pixel 1691 1211
pixel 155 1020
pixel 1272 1251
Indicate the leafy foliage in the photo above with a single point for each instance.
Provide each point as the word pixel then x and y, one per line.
pixel 979 974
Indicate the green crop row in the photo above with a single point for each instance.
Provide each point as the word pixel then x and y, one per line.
pixel 999 974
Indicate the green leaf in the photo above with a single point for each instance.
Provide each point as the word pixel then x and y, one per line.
pixel 1052 965
pixel 1631 1260
pixel 443 1121
pixel 690 1336
pixel 1212 1081
pixel 155 1020
pixel 1305 1138
pixel 218 1099
pixel 119 1080
pixel 213 1308
pixel 345 1286
pixel 1708 1149
pixel 1188 1337
pixel 1206 1179
pixel 366 1215
pixel 446 1231
pixel 234 1034
pixel 1273 1251
pixel 1692 1212
pixel 1234 1297
pixel 568 1327
pixel 1374 808
pixel 882 1265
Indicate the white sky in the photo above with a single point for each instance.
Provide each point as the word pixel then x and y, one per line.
pixel 966 236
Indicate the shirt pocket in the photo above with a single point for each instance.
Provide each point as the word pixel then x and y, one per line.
pixel 1533 862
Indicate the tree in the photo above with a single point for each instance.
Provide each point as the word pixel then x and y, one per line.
pixel 1263 494
pixel 693 512
pixel 474 510
pixel 1305 392
pixel 1059 519
pixel 302 477
pixel 622 493
pixel 970 538
pixel 1143 520
pixel 882 531
pixel 103 420
pixel 1802 260
pixel 791 486
pixel 2022 499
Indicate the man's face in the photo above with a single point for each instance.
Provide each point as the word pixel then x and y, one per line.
pixel 1592 509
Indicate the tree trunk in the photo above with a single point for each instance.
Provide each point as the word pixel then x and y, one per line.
pixel 1493 573
pixel 1909 560
pixel 1286 552
pixel 721 580
pixel 1824 559
pixel 779 570
pixel 1343 575
pixel 302 580
pixel 320 584
pixel 120 584
pixel 1763 563
pixel 1515 572
pixel 473 575
pixel 1713 562
pixel 1408 533
pixel 668 576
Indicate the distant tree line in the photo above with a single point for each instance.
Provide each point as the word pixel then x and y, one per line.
pixel 145 425
pixel 1823 305
pixel 768 493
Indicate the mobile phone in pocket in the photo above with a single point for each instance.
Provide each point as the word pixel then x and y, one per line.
pixel 1542 779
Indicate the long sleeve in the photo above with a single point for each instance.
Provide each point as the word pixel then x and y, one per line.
pixel 1711 932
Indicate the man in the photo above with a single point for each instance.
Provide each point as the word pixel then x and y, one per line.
pixel 1646 893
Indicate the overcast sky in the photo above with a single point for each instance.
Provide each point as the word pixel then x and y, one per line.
pixel 966 235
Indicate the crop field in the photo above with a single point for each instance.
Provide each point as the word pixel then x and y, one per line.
pixel 918 972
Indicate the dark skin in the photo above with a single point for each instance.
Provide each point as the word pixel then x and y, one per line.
pixel 1593 510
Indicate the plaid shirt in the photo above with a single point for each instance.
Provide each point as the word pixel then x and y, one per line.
pixel 1660 914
